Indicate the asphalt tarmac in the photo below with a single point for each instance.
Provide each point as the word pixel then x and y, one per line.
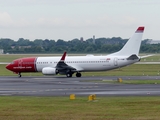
pixel 84 86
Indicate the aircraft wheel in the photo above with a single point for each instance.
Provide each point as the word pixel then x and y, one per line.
pixel 19 75
pixel 78 74
pixel 69 74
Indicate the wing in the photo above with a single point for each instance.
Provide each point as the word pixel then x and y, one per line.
pixel 62 66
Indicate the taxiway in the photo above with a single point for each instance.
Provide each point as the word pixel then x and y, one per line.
pixel 62 86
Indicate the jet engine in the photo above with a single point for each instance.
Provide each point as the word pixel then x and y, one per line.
pixel 49 71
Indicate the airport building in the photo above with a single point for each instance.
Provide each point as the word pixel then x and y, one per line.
pixel 153 41
pixel 1 51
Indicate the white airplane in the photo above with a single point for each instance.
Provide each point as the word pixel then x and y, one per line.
pixel 68 65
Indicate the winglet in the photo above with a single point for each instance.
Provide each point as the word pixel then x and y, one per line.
pixel 140 30
pixel 63 56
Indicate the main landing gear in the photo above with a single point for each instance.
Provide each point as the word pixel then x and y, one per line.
pixel 78 74
pixel 69 74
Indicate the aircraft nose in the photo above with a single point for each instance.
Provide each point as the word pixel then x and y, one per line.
pixel 9 67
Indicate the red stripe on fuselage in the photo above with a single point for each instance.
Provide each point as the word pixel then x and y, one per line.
pixel 23 65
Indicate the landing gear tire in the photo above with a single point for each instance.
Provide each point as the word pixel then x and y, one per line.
pixel 19 75
pixel 69 74
pixel 78 74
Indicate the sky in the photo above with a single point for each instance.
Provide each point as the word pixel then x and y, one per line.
pixel 70 19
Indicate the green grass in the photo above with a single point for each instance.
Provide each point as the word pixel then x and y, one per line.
pixel 154 58
pixel 128 81
pixel 61 108
pixel 140 81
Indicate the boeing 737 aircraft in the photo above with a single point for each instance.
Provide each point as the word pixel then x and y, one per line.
pixel 68 65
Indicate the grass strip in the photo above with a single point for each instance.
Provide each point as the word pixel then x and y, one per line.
pixel 58 108
pixel 127 81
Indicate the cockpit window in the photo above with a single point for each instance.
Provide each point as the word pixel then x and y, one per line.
pixel 12 62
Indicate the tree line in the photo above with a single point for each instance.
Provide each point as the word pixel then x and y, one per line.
pixel 99 45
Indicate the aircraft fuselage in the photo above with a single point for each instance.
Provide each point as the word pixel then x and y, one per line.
pixel 82 63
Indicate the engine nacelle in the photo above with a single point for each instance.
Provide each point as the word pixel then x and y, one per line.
pixel 49 71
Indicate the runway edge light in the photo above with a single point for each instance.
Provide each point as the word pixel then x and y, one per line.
pixel 119 80
pixel 91 97
pixel 72 97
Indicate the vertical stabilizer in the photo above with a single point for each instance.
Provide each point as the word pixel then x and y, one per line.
pixel 133 44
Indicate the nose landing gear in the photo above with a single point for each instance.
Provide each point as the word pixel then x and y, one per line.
pixel 19 75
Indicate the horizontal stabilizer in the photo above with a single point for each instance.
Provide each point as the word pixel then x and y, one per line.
pixel 147 56
pixel 133 57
